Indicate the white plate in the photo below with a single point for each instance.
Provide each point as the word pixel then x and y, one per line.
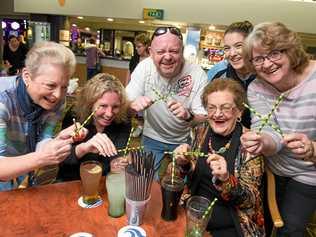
pixel 131 231
pixel 81 234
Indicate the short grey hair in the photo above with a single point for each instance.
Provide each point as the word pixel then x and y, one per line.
pixel 50 53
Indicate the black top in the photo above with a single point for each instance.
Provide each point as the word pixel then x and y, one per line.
pixel 202 184
pixel 133 63
pixel 16 59
pixel 118 133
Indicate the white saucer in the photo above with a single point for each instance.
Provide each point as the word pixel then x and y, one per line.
pixel 84 205
pixel 81 234
pixel 131 231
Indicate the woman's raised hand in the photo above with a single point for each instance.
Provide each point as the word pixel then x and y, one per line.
pixel 218 166
pixel 252 142
pixel 182 159
pixel 101 144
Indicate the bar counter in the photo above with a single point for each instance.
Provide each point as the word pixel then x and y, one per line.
pixel 117 67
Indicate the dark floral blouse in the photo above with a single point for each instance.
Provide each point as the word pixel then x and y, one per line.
pixel 242 189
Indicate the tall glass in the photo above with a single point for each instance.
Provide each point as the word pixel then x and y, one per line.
pixel 171 193
pixel 196 221
pixel 90 173
pixel 115 186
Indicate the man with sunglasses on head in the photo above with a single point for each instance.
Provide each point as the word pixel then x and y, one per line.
pixel 169 90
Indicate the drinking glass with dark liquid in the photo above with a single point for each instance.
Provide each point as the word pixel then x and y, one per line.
pixel 90 173
pixel 171 191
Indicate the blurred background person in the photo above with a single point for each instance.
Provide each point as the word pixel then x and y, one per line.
pixel 93 54
pixel 234 66
pixel 229 173
pixel 14 54
pixel 30 107
pixel 283 67
pixel 142 43
pixel 109 128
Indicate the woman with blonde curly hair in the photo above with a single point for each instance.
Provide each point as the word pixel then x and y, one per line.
pixel 108 128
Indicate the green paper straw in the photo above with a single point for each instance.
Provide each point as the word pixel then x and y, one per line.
pixel 86 121
pixel 209 208
pixel 265 118
pixel 173 168
pixel 128 141
pixel 131 149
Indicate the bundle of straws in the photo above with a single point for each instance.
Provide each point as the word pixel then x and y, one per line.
pixel 139 175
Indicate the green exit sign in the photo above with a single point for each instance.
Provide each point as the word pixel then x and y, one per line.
pixel 152 14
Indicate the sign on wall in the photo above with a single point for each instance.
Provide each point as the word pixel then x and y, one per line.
pixel 152 14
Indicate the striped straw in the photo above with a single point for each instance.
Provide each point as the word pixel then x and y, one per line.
pixel 188 153
pixel 265 120
pixel 209 208
pixel 173 168
pixel 127 149
pixel 85 122
pixel 128 141
pixel 160 96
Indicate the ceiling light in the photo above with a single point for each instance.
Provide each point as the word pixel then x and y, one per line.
pixel 87 29
pixel 15 25
pixel 74 25
pixel 211 27
pixel 141 22
pixel 109 19
pixel 80 17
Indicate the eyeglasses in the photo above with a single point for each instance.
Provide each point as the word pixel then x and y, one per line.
pixel 226 109
pixel 163 30
pixel 273 56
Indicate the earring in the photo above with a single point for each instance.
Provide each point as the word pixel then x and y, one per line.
pixel 239 119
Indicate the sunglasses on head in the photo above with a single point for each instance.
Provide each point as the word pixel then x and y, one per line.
pixel 163 30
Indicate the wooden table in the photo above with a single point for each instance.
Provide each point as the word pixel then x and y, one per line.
pixel 52 210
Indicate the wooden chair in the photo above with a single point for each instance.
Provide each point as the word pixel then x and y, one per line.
pixel 274 210
pixel 272 203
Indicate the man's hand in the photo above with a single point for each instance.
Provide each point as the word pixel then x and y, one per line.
pixel 178 110
pixel 141 103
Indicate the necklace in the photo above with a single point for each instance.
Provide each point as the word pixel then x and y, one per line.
pixel 221 150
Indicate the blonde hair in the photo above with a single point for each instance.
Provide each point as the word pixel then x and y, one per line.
pixel 143 39
pixel 94 89
pixel 50 53
pixel 275 35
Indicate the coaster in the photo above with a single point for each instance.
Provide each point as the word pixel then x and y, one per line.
pixel 84 205
pixel 81 234
pixel 131 231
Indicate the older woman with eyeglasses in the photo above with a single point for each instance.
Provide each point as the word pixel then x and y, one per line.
pixel 228 173
pixel 284 74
